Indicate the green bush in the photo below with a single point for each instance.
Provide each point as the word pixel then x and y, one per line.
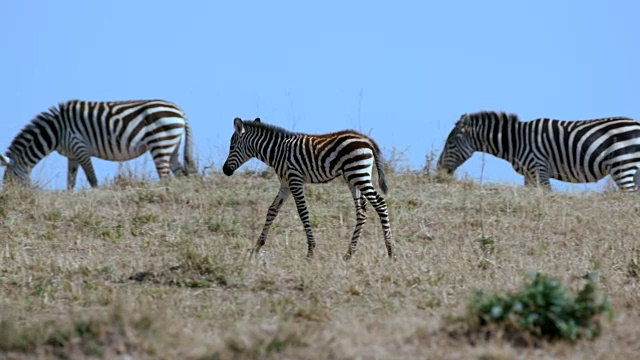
pixel 544 308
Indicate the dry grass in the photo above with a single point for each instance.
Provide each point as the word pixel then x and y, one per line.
pixel 151 271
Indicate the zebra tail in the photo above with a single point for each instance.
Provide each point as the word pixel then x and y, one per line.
pixel 190 164
pixel 380 167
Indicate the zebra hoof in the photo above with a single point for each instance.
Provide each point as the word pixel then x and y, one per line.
pixel 346 257
pixel 254 254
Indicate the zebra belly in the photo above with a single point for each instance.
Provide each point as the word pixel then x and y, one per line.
pixel 579 179
pixel 120 154
pixel 320 178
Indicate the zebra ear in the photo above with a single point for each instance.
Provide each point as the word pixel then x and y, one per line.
pixel 4 161
pixel 238 125
pixel 462 123
pixel 257 120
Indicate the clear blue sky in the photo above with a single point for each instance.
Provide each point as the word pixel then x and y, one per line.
pixel 402 71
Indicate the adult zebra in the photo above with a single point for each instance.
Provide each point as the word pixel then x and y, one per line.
pixel 300 158
pixel 542 149
pixel 111 130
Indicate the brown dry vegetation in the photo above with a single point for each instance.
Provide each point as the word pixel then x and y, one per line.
pixel 160 271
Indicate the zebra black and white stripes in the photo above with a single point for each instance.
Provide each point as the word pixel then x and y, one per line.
pixel 301 158
pixel 543 149
pixel 115 131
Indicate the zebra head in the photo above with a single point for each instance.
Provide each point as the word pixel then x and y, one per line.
pixel 240 150
pixel 459 146
pixel 15 172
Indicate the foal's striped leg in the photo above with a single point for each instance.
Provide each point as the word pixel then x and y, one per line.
pixel 280 199
pixel 296 186
pixel 361 218
pixel 380 205
pixel 358 176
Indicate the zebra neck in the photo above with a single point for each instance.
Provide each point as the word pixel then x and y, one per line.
pixel 271 149
pixel 499 139
pixel 35 141
pixel 31 155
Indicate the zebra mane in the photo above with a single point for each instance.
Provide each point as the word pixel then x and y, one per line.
pixel 485 116
pixel 28 133
pixel 268 127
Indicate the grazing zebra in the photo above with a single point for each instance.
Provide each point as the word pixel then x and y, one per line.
pixel 542 149
pixel 115 131
pixel 301 158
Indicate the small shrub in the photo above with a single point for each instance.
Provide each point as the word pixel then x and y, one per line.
pixel 430 163
pixel 544 308
pixel 395 161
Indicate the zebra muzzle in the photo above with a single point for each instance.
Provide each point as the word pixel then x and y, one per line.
pixel 227 170
pixel 446 171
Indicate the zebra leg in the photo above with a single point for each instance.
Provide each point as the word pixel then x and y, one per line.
pixel 280 199
pixel 636 180
pixel 545 184
pixel 543 180
pixel 162 160
pixel 72 173
pixel 380 205
pixel 176 168
pixel 296 187
pixel 361 218
pixel 535 178
pixel 83 157
pixel 627 179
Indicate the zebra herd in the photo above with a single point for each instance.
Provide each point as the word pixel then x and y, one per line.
pixel 540 150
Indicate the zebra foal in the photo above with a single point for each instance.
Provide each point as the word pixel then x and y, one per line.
pixel 543 149
pixel 115 131
pixel 299 158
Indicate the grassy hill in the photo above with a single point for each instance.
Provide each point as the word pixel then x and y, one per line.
pixel 160 271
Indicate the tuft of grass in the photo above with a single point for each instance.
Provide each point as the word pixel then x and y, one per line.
pixel 119 330
pixel 197 270
pixel 131 175
pixel 265 346
pixel 544 308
